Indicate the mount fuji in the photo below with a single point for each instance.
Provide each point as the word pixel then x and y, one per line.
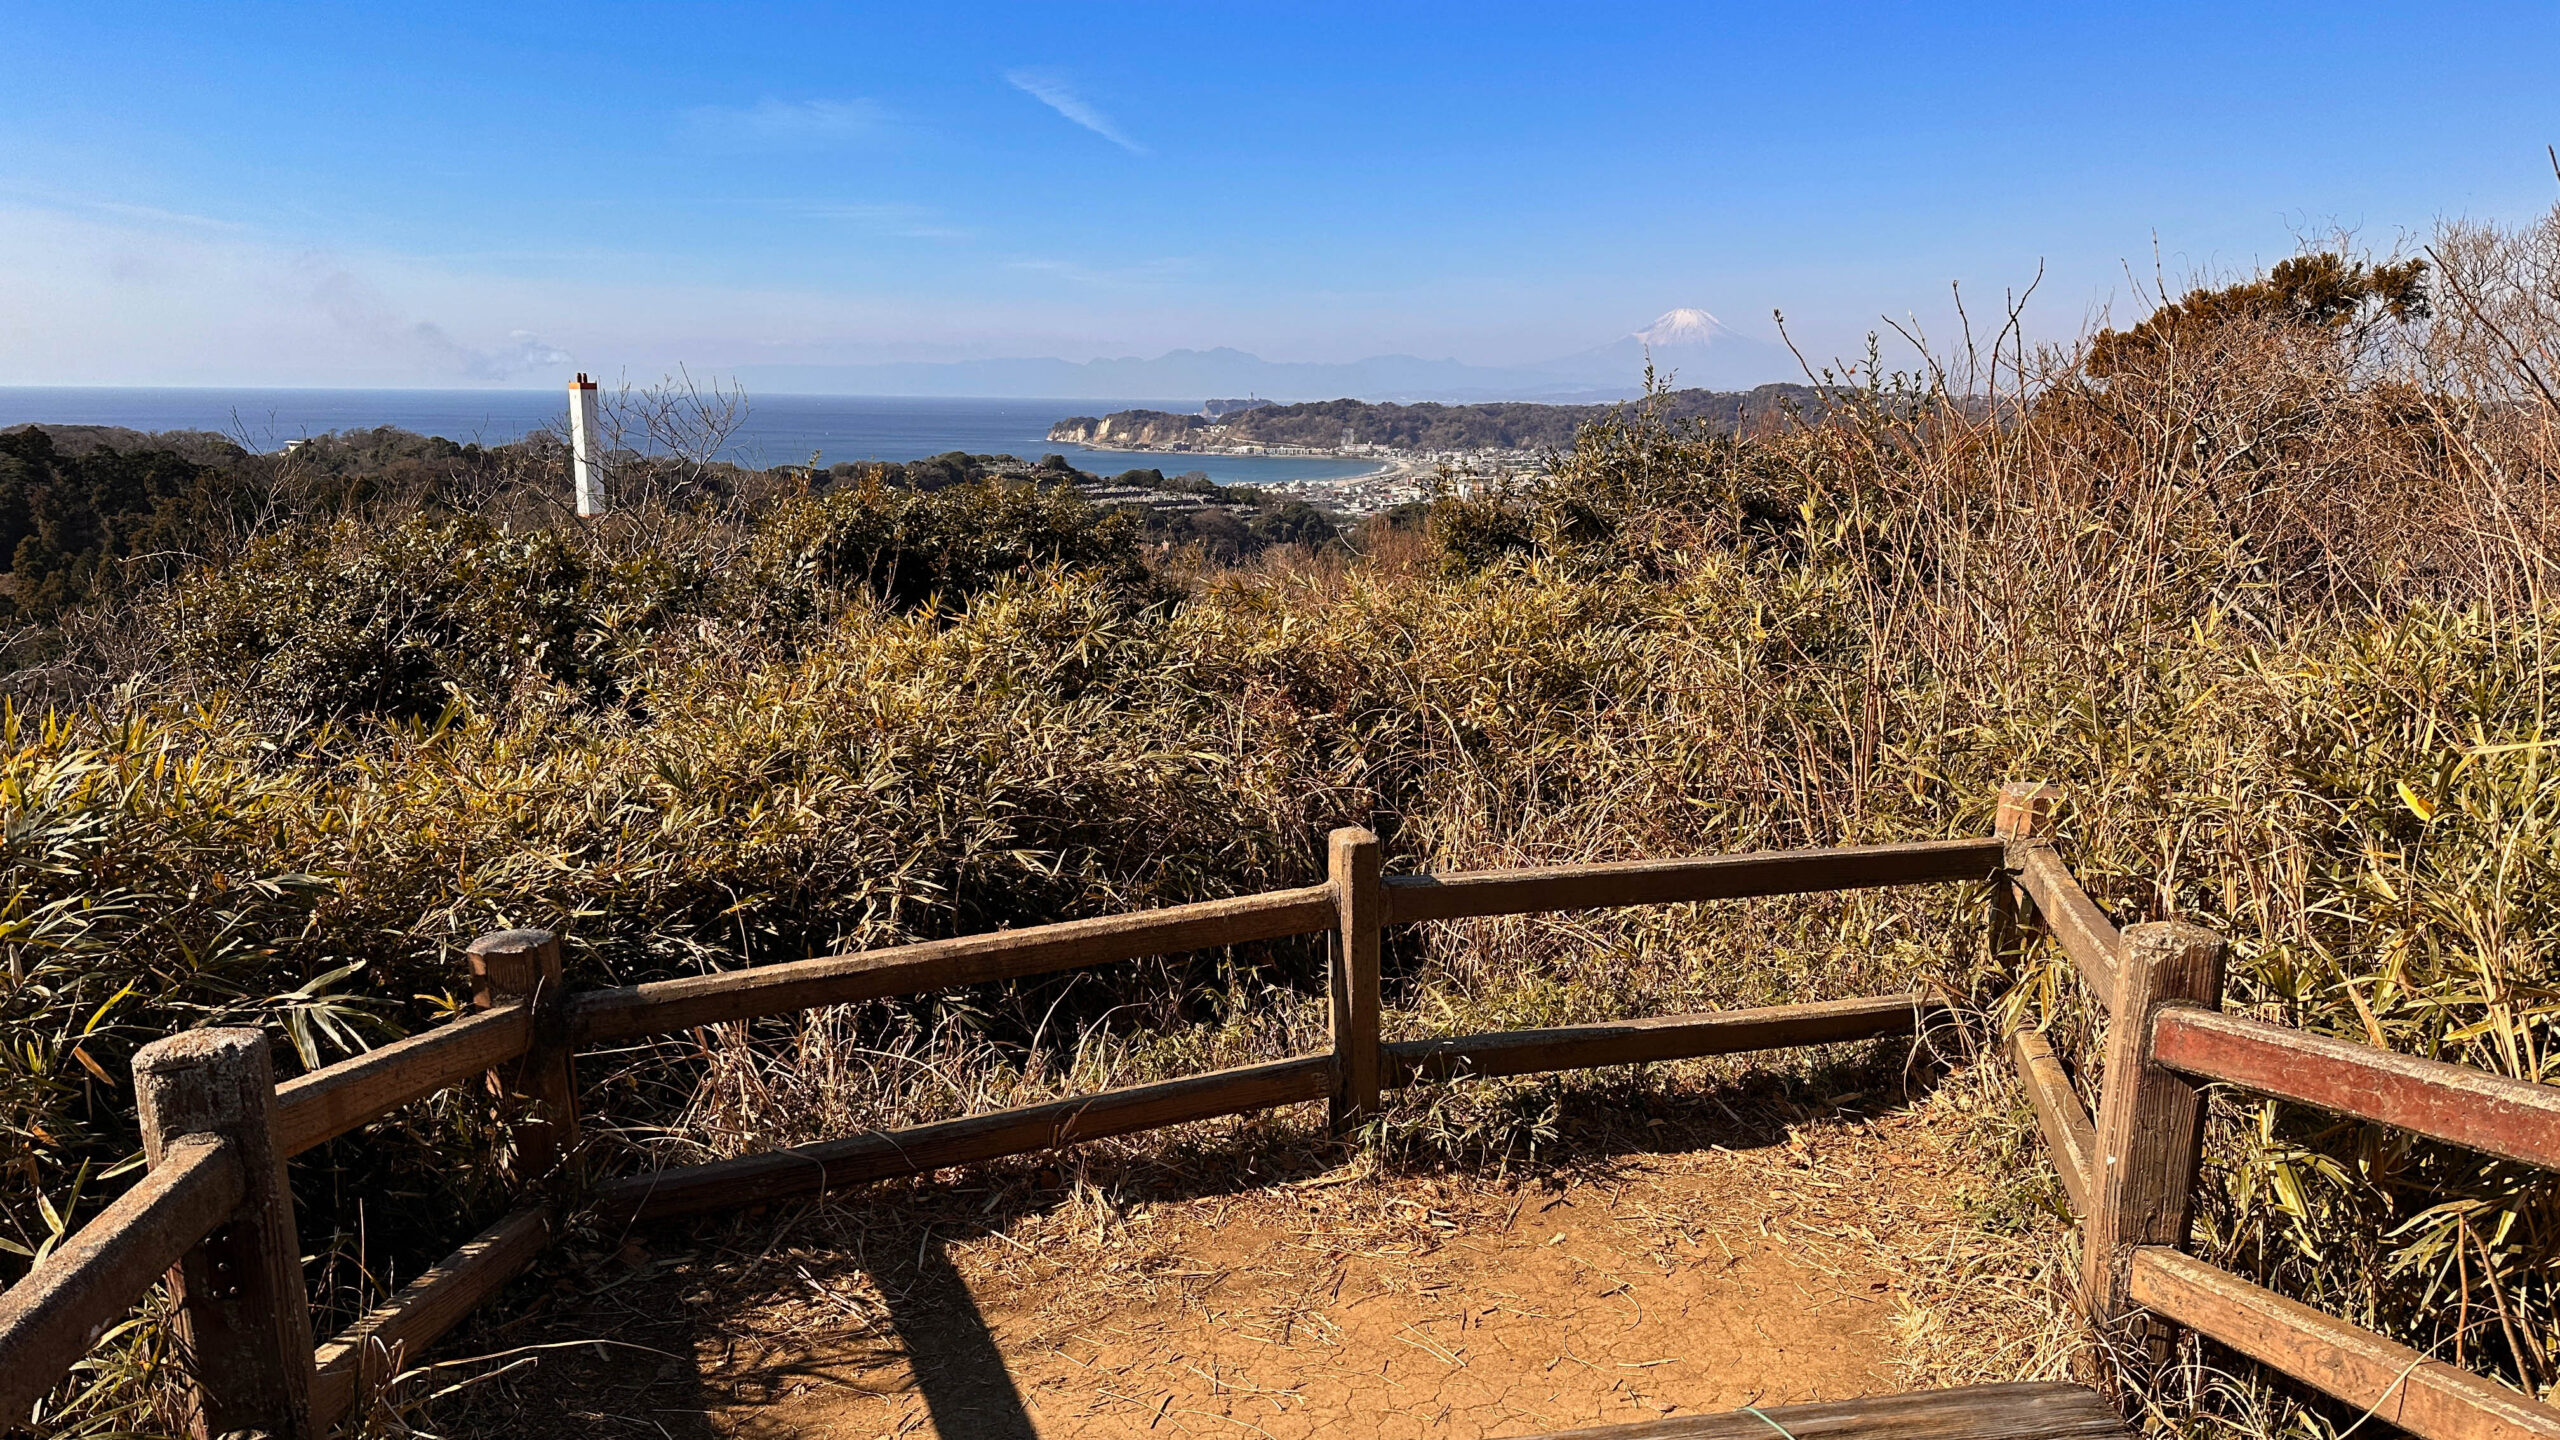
pixel 1689 349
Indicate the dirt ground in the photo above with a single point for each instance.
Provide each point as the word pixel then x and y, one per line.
pixel 1675 1256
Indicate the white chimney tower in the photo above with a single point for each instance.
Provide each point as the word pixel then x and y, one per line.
pixel 582 446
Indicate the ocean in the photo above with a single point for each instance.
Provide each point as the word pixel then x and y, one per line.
pixel 779 429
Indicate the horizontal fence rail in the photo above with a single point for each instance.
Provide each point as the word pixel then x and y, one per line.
pixel 1669 1037
pixel 812 1169
pixel 2401 1387
pixel 49 1319
pixel 2059 1114
pixel 2077 924
pixel 2514 1119
pixel 1664 882
pixel 664 1005
pixel 2034 1410
pixel 321 1106
pixel 366 1356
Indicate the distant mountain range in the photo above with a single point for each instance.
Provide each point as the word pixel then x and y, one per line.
pixel 1688 346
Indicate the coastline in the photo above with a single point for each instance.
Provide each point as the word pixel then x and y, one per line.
pixel 1397 477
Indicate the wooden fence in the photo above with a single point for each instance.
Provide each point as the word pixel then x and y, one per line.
pixel 214 1204
pixel 2130 1171
pixel 214 1216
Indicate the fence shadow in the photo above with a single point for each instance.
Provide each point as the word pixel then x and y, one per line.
pixel 959 1370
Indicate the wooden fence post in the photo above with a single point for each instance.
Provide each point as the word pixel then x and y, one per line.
pixel 525 965
pixel 2025 816
pixel 1354 865
pixel 2026 811
pixel 2150 1123
pixel 244 1318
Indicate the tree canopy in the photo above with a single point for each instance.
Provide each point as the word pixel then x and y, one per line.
pixel 2319 292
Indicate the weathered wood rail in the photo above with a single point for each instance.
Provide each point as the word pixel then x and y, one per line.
pixel 2031 1411
pixel 212 1213
pixel 2130 1171
pixel 526 1029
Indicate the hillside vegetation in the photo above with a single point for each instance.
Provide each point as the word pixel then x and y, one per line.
pixel 92 515
pixel 2266 590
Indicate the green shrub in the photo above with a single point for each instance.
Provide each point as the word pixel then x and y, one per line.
pixel 73 525
pixel 322 622
pixel 911 548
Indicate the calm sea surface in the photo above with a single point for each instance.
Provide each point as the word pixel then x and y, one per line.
pixel 779 429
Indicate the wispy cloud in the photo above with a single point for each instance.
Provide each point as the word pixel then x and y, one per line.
pixel 1053 91
pixel 82 201
pixel 357 308
pixel 787 124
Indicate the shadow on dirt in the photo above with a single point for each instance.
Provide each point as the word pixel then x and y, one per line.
pixel 726 1315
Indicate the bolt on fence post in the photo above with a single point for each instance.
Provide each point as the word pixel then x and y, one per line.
pixel 2025 816
pixel 524 965
pixel 1354 866
pixel 244 1318
pixel 2150 1124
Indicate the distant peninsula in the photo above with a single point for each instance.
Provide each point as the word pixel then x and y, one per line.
pixel 1364 428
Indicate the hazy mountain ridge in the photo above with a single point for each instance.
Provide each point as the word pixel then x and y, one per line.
pixel 1684 346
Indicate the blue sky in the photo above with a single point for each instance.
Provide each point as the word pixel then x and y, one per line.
pixel 483 194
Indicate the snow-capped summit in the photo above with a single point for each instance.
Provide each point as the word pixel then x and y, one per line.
pixel 1685 347
pixel 1683 327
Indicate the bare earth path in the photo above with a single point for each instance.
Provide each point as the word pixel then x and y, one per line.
pixel 1674 1266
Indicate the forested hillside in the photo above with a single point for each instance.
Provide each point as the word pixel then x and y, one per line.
pixel 1507 425
pixel 95 514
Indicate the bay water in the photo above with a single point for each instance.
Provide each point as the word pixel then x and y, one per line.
pixel 778 429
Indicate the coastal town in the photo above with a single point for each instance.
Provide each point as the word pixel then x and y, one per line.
pixel 1399 479
pixel 1402 474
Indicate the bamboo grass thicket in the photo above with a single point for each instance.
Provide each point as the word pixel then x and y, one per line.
pixel 2272 602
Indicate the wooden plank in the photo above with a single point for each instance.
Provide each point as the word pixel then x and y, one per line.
pixel 2150 1123
pixel 2047 1411
pixel 2403 1388
pixel 243 1319
pixel 2074 920
pixel 51 1317
pixel 663 1005
pixel 314 1109
pixel 2059 1113
pixel 391 1337
pixel 1668 1037
pixel 1662 882
pixel 834 1164
pixel 2496 1114
pixel 1354 858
